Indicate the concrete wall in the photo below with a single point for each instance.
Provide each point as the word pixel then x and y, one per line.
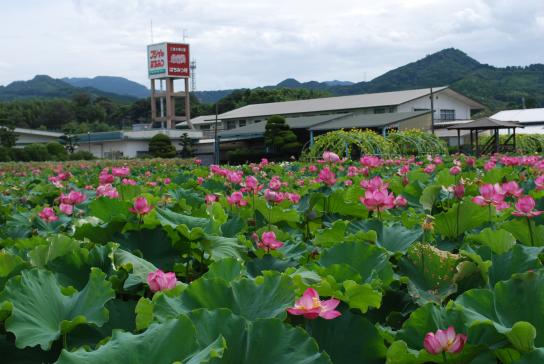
pixel 441 101
pixel 120 148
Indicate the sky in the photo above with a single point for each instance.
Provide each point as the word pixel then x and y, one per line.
pixel 244 43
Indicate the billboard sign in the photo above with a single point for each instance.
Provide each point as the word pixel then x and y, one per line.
pixel 168 60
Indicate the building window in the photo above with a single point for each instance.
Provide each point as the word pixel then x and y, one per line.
pixel 257 121
pixel 242 123
pixel 415 109
pixel 205 127
pixel 392 109
pixel 446 114
pixel 231 124
pixel 379 110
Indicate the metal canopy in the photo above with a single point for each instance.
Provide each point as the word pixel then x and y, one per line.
pixel 493 145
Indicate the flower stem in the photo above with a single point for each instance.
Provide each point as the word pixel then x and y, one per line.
pixel 457 221
pixel 444 357
pixel 530 230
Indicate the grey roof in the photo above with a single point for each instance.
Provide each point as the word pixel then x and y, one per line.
pixel 488 123
pixel 363 121
pixel 203 119
pixel 340 103
pixel 256 130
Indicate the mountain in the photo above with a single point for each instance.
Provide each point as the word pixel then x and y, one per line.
pixel 42 86
pixel 111 84
pixel 496 87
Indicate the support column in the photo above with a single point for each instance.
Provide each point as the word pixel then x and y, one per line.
pixel 459 141
pixel 471 142
pixel 169 99
pixel 311 138
pixel 187 105
pixel 153 101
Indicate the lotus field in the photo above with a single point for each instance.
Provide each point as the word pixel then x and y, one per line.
pixel 407 260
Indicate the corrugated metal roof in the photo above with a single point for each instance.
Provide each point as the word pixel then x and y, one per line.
pixel 137 135
pixel 362 121
pixel 203 119
pixel 329 103
pixel 521 115
pixel 487 123
pixel 301 122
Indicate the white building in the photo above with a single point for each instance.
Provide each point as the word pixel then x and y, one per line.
pixel 448 106
pixel 30 136
pixel 531 119
pixel 129 144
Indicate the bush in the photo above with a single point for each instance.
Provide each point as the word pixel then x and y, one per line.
pixel 37 152
pixel 280 138
pixel 160 146
pixel 81 155
pixel 57 151
pixel 5 154
pixel 240 156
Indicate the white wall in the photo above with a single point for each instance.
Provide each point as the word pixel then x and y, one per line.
pixel 128 148
pixel 441 101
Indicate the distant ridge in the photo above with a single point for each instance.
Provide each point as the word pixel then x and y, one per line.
pixel 111 84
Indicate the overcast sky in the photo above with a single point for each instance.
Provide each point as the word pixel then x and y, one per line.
pixel 249 43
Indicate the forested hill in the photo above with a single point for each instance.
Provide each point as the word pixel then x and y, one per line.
pixel 496 87
pixel 45 87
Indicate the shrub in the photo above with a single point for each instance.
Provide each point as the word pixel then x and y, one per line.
pixel 37 152
pixel 81 155
pixel 280 138
pixel 57 151
pixel 160 146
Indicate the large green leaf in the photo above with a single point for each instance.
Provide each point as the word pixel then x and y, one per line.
pixel 56 246
pixel 41 312
pixel 220 247
pixel 164 343
pixel 393 237
pixel 520 229
pixel 137 267
pixel 265 341
pixel 109 210
pixel 263 297
pixel 370 261
pixel 349 339
pixel 499 241
pixel 515 308
pixel 432 272
pixel 460 218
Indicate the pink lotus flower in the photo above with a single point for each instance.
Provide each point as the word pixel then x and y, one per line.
pixel 252 183
pixel 120 171
pixel 444 341
pixel 327 176
pixel 400 201
pixel 455 170
pixel 72 198
pixel 311 307
pixel 331 157
pixel 269 242
pixel 371 161
pixel 200 180
pixel 273 196
pixel 374 184
pixel 160 281
pixel 197 162
pixel 66 208
pixel 234 177
pixel 107 191
pixel 275 183
pixel 459 191
pixel 378 200
pixel 140 206
pixel 237 199
pixel 128 181
pixel 48 215
pixel 293 197
pixel 429 168
pixel 512 188
pixel 404 170
pixel 491 195
pixel 525 206
pixel 210 198
pixel 312 168
pixel 166 181
pixel 106 178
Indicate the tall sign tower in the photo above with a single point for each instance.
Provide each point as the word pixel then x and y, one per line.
pixel 167 62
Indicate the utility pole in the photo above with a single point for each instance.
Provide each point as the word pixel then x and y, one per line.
pixel 215 139
pixel 432 111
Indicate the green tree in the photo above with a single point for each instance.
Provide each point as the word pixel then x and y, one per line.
pixel 8 138
pixel 188 146
pixel 279 137
pixel 160 146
